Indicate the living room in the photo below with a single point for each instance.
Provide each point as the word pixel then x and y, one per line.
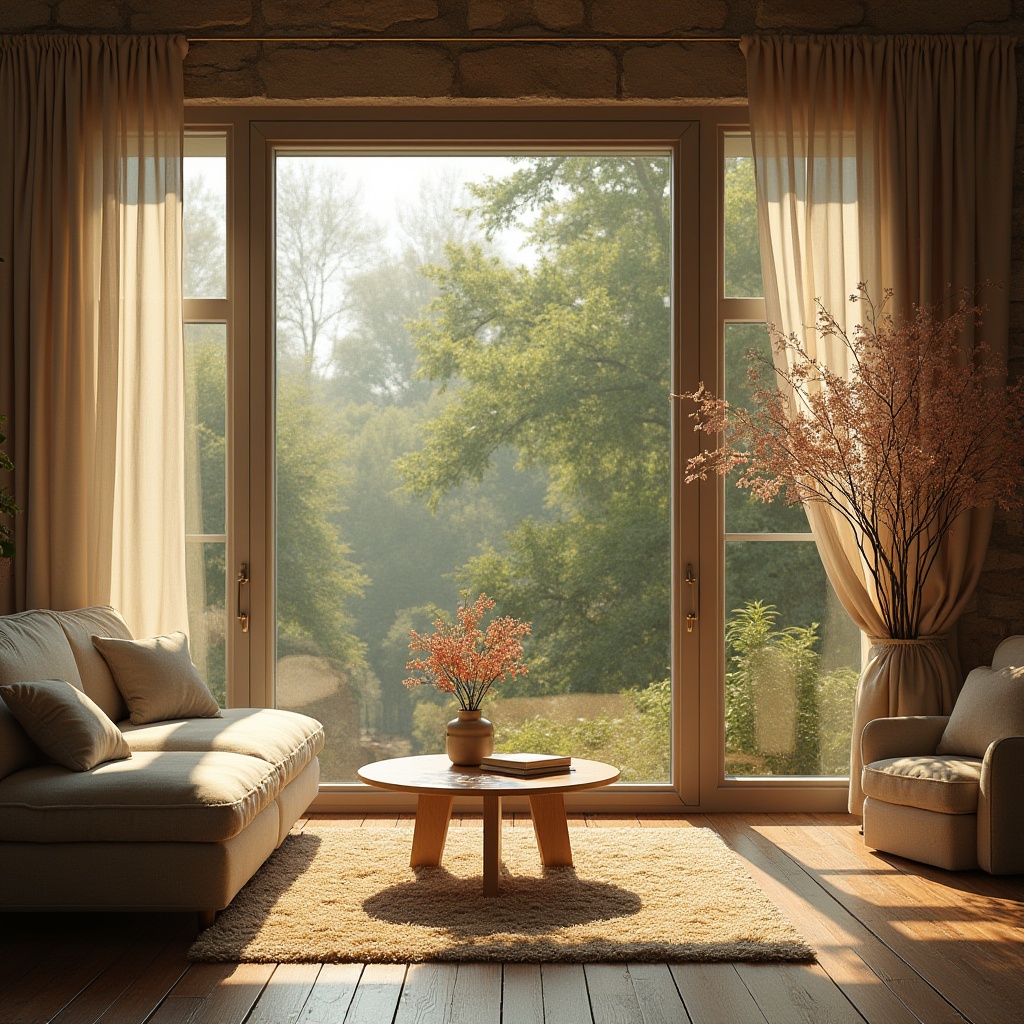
pixel 395 396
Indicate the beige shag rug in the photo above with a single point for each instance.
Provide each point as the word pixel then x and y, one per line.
pixel 344 895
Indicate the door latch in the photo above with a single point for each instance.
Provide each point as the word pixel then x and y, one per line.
pixel 691 615
pixel 242 581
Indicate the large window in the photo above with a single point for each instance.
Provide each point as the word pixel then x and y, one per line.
pixel 432 356
pixel 792 653
pixel 473 355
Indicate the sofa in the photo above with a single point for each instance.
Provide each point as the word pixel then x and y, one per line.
pixel 183 812
pixel 948 790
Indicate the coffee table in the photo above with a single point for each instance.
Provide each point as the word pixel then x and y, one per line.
pixel 437 782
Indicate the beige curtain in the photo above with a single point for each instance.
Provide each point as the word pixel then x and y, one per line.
pixel 886 160
pixel 91 351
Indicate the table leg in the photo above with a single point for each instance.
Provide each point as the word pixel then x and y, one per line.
pixel 433 812
pixel 551 828
pixel 492 843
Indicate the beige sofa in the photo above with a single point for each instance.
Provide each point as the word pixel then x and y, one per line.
pixel 180 825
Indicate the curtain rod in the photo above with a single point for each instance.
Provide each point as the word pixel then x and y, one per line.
pixel 463 39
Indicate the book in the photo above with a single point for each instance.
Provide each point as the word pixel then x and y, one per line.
pixel 525 761
pixel 527 773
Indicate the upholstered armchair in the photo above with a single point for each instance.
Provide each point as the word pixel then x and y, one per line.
pixel 949 790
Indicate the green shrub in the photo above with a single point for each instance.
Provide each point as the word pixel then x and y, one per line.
pixel 639 743
pixel 780 711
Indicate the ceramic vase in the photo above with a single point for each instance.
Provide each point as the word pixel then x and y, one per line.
pixel 469 739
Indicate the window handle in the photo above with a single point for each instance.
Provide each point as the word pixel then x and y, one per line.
pixel 691 615
pixel 242 581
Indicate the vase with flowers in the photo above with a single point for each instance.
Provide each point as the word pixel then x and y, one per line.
pixel 464 659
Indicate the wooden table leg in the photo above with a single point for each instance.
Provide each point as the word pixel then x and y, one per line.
pixel 433 812
pixel 492 843
pixel 551 828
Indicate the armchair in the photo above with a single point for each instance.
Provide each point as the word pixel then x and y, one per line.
pixel 949 790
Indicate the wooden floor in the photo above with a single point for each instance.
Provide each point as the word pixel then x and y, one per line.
pixel 897 942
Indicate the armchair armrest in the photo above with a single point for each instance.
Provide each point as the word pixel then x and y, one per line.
pixel 913 736
pixel 1001 808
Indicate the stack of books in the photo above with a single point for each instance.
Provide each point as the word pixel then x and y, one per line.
pixel 526 765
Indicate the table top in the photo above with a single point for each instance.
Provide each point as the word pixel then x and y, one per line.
pixel 434 773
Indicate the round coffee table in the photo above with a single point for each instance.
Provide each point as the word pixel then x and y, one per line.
pixel 437 782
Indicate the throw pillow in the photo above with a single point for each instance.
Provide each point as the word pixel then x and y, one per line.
pixel 989 708
pixel 68 726
pixel 157 679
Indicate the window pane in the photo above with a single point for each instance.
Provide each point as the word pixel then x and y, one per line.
pixel 204 217
pixel 473 359
pixel 206 580
pixel 205 494
pixel 742 255
pixel 205 419
pixel 793 658
pixel 743 512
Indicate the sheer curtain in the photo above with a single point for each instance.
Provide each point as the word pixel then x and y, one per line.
pixel 887 160
pixel 91 351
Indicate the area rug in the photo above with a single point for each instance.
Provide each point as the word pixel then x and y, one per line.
pixel 348 895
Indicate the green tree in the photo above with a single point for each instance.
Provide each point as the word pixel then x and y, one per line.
pixel 410 554
pixel 740 243
pixel 568 363
pixel 317 582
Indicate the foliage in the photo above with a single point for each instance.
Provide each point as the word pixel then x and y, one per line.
pixel 428 725
pixel 913 439
pixel 740 243
pixel 466 660
pixel 779 707
pixel 7 507
pixel 206 450
pixel 567 362
pixel 639 742
pixel 317 582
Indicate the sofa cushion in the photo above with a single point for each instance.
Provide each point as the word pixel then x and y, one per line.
pixel 65 724
pixel 946 784
pixel 155 796
pixel 32 646
pixel 990 707
pixel 289 741
pixel 80 626
pixel 1009 652
pixel 157 679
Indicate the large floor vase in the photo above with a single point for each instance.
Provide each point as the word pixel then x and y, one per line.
pixel 469 739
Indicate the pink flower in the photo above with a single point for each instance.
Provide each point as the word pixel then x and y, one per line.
pixel 918 435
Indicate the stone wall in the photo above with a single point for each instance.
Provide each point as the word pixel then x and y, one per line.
pixel 467 49
pixel 591 51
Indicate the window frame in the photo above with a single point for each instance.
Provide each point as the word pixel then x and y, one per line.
pixel 695 135
pixel 228 311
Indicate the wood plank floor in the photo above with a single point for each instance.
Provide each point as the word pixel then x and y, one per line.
pixel 897 942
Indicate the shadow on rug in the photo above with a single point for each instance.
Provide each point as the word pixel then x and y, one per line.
pixel 342 895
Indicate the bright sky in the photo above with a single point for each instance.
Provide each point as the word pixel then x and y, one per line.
pixel 387 182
